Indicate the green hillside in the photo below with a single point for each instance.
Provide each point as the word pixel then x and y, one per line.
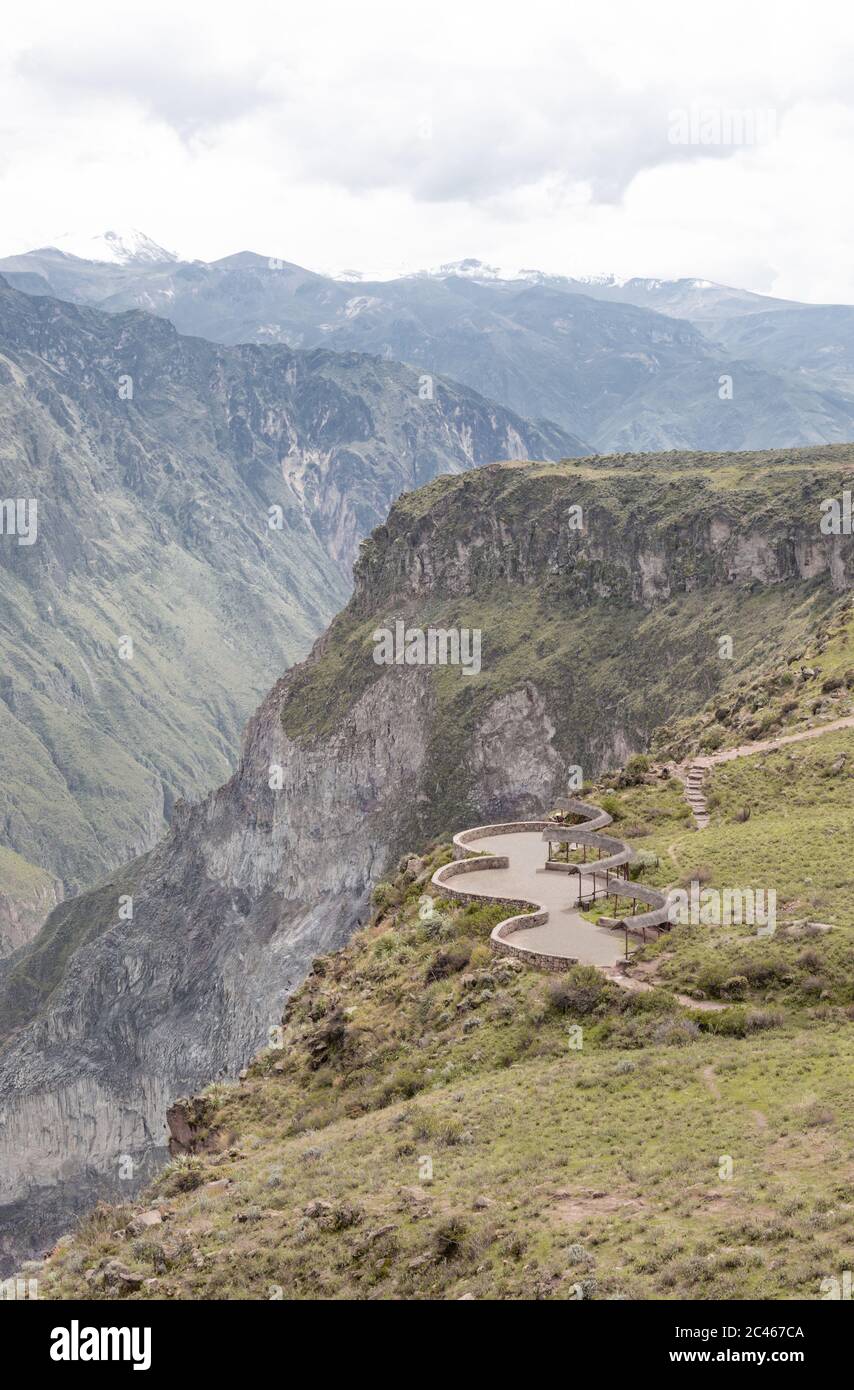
pixel 558 1171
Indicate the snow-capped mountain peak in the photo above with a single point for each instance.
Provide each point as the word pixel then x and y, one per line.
pixel 128 247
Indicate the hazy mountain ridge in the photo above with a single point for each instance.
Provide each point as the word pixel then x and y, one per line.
pixel 627 364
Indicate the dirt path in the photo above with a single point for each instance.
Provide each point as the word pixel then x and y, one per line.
pixel 769 745
pixel 711 1081
pixel 638 986
pixel 693 774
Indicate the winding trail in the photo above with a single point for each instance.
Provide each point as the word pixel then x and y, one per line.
pixel 694 774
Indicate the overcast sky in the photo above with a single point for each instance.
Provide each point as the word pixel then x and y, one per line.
pixel 398 136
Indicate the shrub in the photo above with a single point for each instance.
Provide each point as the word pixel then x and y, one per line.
pixel 480 957
pixel 646 859
pixel 649 1001
pixel 449 961
pixel 184 1174
pixel 576 992
pixel 757 1019
pixel 676 1030
pixel 712 978
pixel 449 1236
pixel 385 897
pixel 763 971
pixel 701 874
pixel 735 987
pixel 636 768
pixel 729 1023
pixel 810 960
pixel 405 1084
pixel 813 984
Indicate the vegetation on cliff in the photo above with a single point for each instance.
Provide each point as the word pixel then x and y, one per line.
pixel 433 1121
pixel 617 623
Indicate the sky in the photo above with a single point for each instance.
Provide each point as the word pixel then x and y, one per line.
pixel 664 139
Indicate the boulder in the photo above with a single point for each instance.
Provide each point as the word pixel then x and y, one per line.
pixel 144 1221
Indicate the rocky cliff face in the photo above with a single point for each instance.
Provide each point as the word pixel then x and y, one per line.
pixel 195 511
pixel 590 640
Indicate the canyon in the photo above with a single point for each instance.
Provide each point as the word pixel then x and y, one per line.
pixel 590 640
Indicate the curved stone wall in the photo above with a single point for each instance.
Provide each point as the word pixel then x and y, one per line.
pixel 533 914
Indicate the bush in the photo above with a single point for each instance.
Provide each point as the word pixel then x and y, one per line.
pixel 676 1030
pixel 813 984
pixel 636 768
pixel 712 978
pixel 735 987
pixel 611 804
pixel 480 957
pixel 646 859
pixel 448 1238
pixel 712 739
pixel 649 1001
pixel 810 960
pixel 405 1084
pixel 701 874
pixel 757 1019
pixel 576 992
pixel 449 961
pixel 729 1023
pixel 765 971
pixel 184 1174
pixel 386 897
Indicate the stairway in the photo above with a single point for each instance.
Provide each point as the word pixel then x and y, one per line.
pixel 694 794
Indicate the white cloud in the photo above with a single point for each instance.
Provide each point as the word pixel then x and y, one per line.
pixel 405 136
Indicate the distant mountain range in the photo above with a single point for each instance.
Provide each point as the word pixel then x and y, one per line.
pixel 636 364
pixel 154 461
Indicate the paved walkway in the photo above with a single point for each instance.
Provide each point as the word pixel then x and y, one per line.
pixel 566 933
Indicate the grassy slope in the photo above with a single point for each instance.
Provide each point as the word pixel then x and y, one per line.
pixel 557 1171
pixel 35 971
pixel 26 894
pixel 814 685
